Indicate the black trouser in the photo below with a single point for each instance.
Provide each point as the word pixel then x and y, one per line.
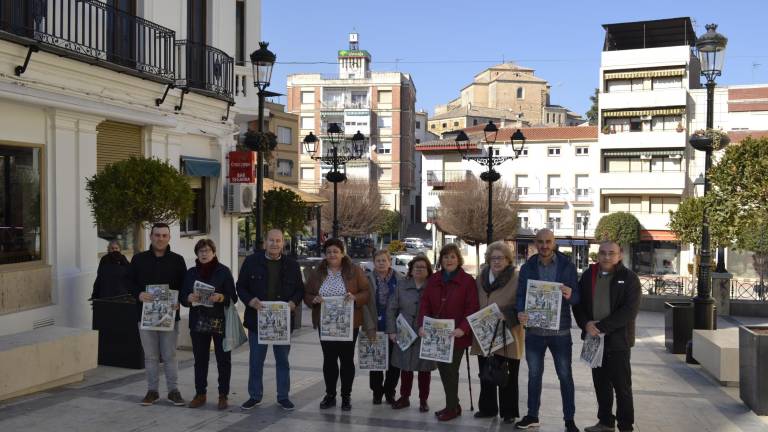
pixel 201 348
pixel 384 386
pixel 339 361
pixel 449 376
pixel 614 376
pixel 500 400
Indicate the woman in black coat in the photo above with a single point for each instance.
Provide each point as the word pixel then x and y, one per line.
pixel 207 322
pixel 110 277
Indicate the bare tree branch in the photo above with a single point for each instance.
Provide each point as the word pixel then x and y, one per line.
pixel 464 211
pixel 359 208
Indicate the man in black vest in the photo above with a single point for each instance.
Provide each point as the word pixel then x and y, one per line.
pixel 610 298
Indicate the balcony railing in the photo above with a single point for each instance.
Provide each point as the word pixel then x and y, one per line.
pixel 440 179
pixel 205 68
pixel 92 31
pixel 340 105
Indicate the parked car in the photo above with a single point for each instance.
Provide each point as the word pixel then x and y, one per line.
pixel 414 245
pixel 399 264
pixel 360 247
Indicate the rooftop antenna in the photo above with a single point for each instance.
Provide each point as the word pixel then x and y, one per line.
pixel 397 64
pixel 755 66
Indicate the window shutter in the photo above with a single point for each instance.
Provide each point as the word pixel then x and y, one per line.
pixel 115 142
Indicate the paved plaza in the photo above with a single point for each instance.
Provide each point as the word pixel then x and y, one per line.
pixel 669 396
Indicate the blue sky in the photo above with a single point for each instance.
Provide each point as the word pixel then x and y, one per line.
pixel 443 44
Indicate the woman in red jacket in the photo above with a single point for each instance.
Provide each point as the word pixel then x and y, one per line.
pixel 450 294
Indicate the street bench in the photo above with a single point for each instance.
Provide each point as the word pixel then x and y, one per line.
pixel 717 351
pixel 49 357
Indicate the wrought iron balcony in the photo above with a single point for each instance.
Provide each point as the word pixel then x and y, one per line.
pixel 205 68
pixel 91 31
pixel 440 179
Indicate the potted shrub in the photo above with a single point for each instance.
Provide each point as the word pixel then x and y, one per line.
pixel 753 368
pixel 680 127
pixel 606 129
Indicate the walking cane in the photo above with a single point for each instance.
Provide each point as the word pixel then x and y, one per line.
pixel 469 380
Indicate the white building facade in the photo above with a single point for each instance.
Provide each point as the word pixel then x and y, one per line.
pixel 151 78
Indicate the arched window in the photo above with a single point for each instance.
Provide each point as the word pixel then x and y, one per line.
pixel 520 93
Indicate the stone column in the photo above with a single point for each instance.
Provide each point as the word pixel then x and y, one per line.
pixel 721 291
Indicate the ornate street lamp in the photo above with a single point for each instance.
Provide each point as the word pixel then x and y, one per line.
pixel 711 51
pixel 262 61
pixel 337 154
pixel 490 132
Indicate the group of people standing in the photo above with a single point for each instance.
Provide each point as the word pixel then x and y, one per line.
pixel 604 301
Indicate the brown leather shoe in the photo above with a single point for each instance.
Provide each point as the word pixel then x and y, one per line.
pixel 401 403
pixel 449 415
pixel 198 401
pixel 151 397
pixel 223 402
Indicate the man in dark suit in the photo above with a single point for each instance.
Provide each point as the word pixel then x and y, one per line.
pixel 610 298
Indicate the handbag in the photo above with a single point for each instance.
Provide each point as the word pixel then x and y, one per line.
pixel 208 325
pixel 234 334
pixel 495 370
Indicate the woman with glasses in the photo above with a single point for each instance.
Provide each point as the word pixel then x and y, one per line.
pixel 405 301
pixel 498 284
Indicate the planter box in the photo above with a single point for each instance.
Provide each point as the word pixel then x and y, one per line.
pixel 678 326
pixel 753 368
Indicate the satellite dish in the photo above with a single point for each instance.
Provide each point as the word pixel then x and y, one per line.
pixel 428 226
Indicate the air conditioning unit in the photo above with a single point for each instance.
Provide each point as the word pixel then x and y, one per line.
pixel 645 118
pixel 645 157
pixel 240 197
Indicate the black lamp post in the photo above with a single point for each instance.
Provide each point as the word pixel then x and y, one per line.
pixel 584 225
pixel 711 52
pixel 262 61
pixel 338 154
pixel 490 131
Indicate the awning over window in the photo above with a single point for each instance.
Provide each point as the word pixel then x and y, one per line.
pixel 200 167
pixel 658 235
pixel 644 112
pixel 644 152
pixel 654 73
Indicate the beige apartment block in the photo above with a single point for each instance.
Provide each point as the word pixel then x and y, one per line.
pixel 381 105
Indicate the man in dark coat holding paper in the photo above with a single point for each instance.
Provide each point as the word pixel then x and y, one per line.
pixel 610 299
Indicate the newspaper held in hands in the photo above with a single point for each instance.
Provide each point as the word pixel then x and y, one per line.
pixel 274 323
pixel 592 350
pixel 437 343
pixel 373 355
pixel 160 313
pixel 483 324
pixel 204 292
pixel 336 315
pixel 405 334
pixel 543 301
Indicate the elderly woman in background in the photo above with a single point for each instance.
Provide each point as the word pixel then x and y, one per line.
pixel 383 281
pixel 450 294
pixel 406 301
pixel 336 275
pixel 110 277
pixel 497 283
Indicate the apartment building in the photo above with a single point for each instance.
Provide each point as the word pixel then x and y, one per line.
pixel 88 83
pixel 553 180
pixel 283 166
pixel 381 105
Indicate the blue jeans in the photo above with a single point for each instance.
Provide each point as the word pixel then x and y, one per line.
pixel 256 368
pixel 560 347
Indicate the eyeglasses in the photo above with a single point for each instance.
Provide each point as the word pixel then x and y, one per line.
pixel 498 258
pixel 608 254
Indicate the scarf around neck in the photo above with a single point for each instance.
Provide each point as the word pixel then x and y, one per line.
pixel 500 281
pixel 205 270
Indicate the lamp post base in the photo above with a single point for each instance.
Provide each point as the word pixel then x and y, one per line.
pixel 704 313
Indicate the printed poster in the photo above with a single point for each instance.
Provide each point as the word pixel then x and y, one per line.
pixel 437 343
pixel 159 314
pixel 543 301
pixel 405 334
pixel 336 315
pixel 483 324
pixel 274 323
pixel 373 355
pixel 205 292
